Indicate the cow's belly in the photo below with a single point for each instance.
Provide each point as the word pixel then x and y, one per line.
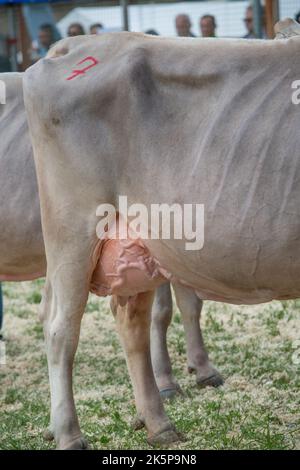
pixel 234 279
pixel 22 268
pixel 22 253
pixel 128 267
pixel 19 277
pixel 124 268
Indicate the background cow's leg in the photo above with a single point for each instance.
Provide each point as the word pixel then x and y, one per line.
pixel 190 307
pixel 133 323
pixel 161 318
pixel 62 307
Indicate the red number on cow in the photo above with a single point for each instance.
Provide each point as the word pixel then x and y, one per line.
pixel 77 72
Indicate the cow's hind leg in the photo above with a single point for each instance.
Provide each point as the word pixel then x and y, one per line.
pixel 160 320
pixel 62 307
pixel 198 361
pixel 133 323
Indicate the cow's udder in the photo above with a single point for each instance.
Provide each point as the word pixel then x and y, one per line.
pixel 124 268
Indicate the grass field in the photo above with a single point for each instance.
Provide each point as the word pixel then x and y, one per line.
pixel 256 348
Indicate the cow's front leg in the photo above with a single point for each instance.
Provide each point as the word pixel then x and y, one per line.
pixel 133 323
pixel 198 361
pixel 63 304
pixel 161 317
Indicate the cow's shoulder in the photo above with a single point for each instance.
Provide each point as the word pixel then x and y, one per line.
pixel 89 72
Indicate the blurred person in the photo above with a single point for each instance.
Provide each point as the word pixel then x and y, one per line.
pixel 153 32
pixel 75 29
pixel 249 23
pixel 5 65
pixel 183 26
pixel 41 46
pixel 96 28
pixel 208 26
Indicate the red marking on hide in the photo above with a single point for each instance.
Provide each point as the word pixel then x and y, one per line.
pixel 77 72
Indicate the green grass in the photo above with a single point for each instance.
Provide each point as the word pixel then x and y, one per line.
pixel 253 347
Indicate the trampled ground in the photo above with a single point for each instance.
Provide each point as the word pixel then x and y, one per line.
pixel 257 349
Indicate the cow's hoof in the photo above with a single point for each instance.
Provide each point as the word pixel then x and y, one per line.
pixel 171 392
pixel 137 423
pixel 206 376
pixel 167 437
pixel 48 435
pixel 78 444
pixel 214 380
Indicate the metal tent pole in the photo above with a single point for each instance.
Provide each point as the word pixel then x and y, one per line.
pixel 12 36
pixel 272 16
pixel 257 18
pixel 124 5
